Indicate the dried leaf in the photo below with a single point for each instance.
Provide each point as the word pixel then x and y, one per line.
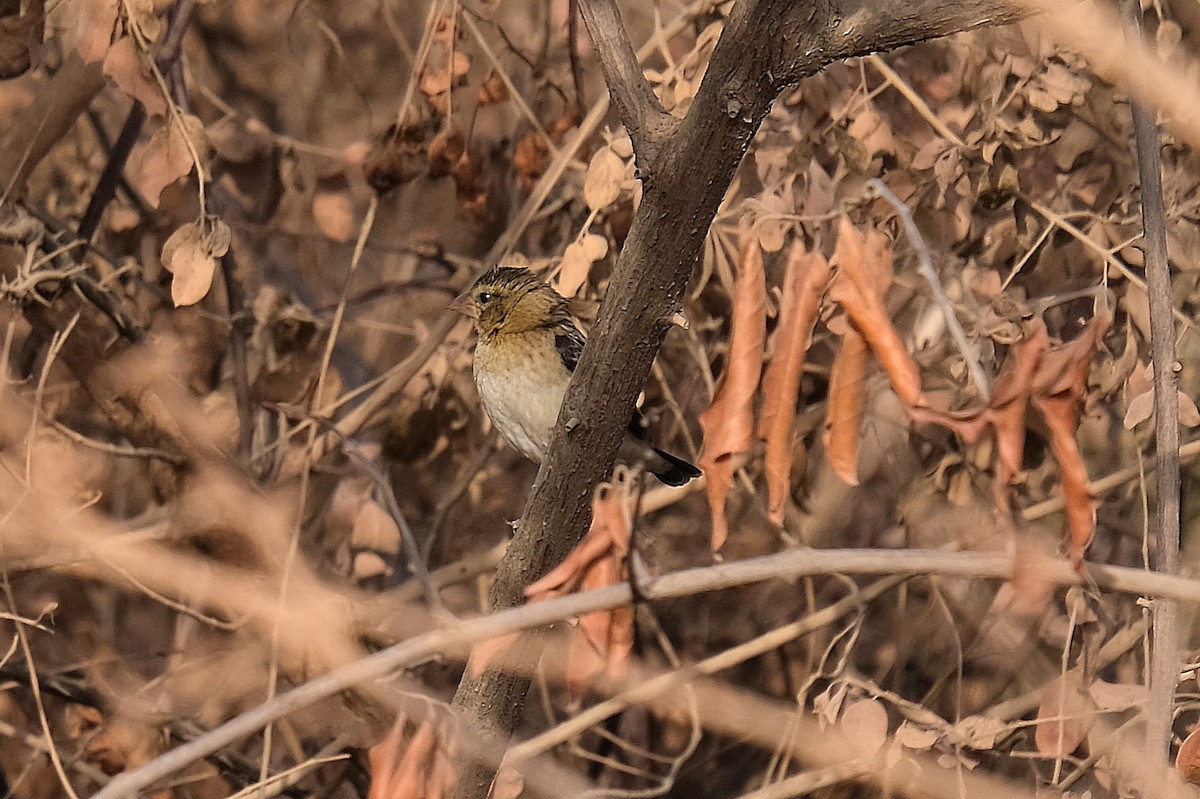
pixel 493 90
pixel 864 723
pixel 844 408
pixel 187 257
pixel 89 26
pixel 873 132
pixel 530 158
pixel 484 652
pixel 828 704
pixel 602 641
pixel 445 150
pixel 1111 697
pixel 605 177
pixel 397 156
pixel 124 65
pixel 1187 761
pixel 1062 418
pixel 729 421
pixel 367 565
pixel 333 211
pixel 577 263
pixel 1065 715
pixel 807 276
pixel 420 768
pixel 914 737
pixel 864 271
pixel 978 732
pixel 374 528
pixel 21 35
pixel 167 157
pixel 1059 391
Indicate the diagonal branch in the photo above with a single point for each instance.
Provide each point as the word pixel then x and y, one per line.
pixel 648 124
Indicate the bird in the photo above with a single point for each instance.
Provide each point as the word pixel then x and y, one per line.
pixel 528 346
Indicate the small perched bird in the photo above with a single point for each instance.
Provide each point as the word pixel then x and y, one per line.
pixel 528 347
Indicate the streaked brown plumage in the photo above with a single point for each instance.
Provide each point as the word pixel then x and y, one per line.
pixel 528 347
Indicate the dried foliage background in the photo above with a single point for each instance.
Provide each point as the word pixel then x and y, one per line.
pixel 224 414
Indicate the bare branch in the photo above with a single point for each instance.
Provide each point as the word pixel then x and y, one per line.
pixel 648 124
pixel 1164 543
pixel 455 638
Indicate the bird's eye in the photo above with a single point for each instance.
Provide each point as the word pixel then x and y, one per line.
pixel 485 297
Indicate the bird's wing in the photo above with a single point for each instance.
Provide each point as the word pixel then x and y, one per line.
pixel 568 340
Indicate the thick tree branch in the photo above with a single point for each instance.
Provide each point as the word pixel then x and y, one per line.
pixel 766 45
pixel 648 124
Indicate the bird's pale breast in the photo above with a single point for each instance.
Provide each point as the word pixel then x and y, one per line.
pixel 521 382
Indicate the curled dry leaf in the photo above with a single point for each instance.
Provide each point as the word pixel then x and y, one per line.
pixel 424 770
pixel 863 280
pixel 530 157
pixel 978 732
pixel 1054 381
pixel 864 266
pixel 1059 394
pixel 577 262
pixel 1112 697
pixel 124 65
pixel 605 178
pixel 729 421
pixel 493 90
pixel 167 157
pixel 602 641
pixel 844 408
pixel 805 282
pixel 1064 716
pixel 367 565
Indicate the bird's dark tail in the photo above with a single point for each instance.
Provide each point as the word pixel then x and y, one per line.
pixel 672 470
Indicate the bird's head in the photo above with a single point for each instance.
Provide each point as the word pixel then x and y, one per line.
pixel 511 300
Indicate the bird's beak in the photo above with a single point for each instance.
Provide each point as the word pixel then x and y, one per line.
pixel 465 305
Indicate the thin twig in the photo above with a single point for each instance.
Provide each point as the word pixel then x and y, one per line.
pixel 120 450
pixel 35 689
pixel 809 781
pixel 1107 483
pixel 1061 222
pixel 384 489
pixel 925 267
pixel 1165 657
pixel 643 691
